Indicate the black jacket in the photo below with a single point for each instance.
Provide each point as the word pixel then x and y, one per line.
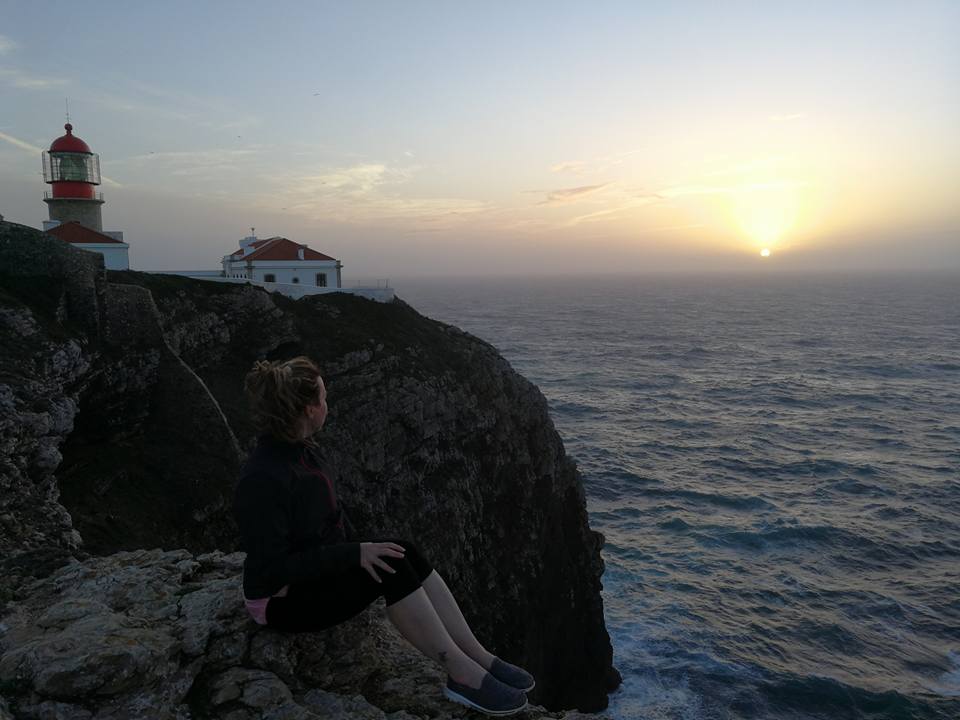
pixel 291 525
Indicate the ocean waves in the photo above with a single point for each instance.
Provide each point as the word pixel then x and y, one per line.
pixel 776 468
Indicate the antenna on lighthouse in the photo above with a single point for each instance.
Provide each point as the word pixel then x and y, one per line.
pixel 66 102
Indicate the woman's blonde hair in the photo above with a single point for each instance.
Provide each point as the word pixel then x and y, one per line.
pixel 279 392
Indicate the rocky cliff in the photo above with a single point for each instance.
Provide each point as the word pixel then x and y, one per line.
pixel 122 427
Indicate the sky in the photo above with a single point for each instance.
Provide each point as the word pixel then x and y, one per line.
pixel 460 138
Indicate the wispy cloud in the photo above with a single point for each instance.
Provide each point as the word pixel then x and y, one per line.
pixel 787 118
pixel 23 145
pixel 622 206
pixel 370 192
pixel 134 97
pixel 357 180
pixel 574 166
pixel 195 157
pixel 203 170
pixel 20 79
pixel 599 164
pixel 570 195
pixel 6 45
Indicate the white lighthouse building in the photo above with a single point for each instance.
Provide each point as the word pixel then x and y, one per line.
pixel 73 172
pixel 279 260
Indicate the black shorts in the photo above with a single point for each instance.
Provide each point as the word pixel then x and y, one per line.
pixel 319 604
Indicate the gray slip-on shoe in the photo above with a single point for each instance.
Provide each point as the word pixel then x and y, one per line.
pixel 492 697
pixel 512 675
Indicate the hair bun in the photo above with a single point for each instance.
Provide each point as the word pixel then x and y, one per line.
pixel 262 366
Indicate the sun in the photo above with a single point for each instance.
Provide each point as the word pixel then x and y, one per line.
pixel 765 252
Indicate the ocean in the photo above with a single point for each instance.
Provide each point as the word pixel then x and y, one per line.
pixel 775 464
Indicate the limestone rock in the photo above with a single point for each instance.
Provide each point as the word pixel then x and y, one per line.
pixel 132 635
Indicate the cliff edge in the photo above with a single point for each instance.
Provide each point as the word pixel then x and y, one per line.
pixel 122 427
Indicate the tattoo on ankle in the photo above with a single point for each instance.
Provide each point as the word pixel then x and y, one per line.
pixel 443 657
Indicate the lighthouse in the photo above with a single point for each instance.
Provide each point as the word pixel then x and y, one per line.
pixel 73 172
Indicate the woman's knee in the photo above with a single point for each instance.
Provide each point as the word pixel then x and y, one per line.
pixel 399 583
pixel 421 566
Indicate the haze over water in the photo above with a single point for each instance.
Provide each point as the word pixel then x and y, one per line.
pixel 774 464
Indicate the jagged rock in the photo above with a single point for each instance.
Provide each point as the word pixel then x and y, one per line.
pixel 134 381
pixel 50 710
pixel 85 366
pixel 133 635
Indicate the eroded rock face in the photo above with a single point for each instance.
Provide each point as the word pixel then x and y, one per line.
pixel 161 635
pixel 98 415
pixel 121 402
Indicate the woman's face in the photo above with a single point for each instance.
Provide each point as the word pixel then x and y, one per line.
pixel 317 413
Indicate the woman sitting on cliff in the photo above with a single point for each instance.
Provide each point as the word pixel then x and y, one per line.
pixel 306 571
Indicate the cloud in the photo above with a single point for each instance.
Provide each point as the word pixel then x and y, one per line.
pixel 570 195
pixel 628 204
pixel 20 79
pixel 787 118
pixel 20 143
pixel 367 193
pixel 195 157
pixel 575 166
pixel 598 164
pixel 202 170
pixel 6 45
pixel 357 180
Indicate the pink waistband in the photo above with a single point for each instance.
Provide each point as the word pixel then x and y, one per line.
pixel 258 607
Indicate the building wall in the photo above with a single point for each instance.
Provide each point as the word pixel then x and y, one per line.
pixel 296 291
pixel 85 212
pixel 284 273
pixel 115 257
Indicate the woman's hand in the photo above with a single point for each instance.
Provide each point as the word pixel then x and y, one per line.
pixel 371 552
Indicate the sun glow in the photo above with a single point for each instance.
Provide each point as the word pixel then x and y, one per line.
pixel 765 212
pixel 765 252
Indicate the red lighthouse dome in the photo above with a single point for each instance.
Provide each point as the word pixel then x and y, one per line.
pixel 69 142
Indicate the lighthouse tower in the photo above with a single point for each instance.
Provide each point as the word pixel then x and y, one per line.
pixel 73 172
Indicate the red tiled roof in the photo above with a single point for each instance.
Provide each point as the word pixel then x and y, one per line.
pixel 74 232
pixel 279 248
pixel 255 243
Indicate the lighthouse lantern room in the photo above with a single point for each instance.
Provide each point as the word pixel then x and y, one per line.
pixel 73 172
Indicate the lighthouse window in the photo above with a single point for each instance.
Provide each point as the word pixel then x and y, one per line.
pixel 321 279
pixel 269 277
pixel 296 279
pixel 73 167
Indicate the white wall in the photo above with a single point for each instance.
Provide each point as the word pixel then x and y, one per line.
pixel 115 256
pixel 285 272
pixel 298 291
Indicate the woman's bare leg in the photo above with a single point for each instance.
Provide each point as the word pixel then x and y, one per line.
pixel 417 620
pixel 453 620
